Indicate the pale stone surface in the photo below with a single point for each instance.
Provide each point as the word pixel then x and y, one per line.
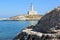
pixel 29 31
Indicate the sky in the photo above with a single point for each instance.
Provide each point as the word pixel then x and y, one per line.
pixel 10 8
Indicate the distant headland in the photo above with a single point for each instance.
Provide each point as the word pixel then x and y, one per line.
pixel 31 15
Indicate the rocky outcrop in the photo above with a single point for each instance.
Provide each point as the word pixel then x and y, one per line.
pixel 49 21
pixel 26 17
pixel 47 28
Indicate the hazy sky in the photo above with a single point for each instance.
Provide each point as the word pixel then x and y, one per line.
pixel 10 8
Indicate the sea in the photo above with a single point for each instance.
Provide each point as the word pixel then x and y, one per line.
pixel 9 29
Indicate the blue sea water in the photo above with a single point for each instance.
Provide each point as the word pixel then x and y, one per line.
pixel 9 29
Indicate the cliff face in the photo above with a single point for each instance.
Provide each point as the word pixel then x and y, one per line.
pixel 49 21
pixel 47 28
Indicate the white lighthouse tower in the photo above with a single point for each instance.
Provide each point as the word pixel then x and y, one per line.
pixel 32 12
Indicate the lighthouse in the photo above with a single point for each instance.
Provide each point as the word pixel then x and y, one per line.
pixel 32 11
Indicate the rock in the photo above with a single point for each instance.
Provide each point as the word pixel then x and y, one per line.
pixel 48 21
pixel 47 28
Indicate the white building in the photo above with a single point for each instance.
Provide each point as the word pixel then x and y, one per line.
pixel 32 12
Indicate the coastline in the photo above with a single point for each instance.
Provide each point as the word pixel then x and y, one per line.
pixel 21 19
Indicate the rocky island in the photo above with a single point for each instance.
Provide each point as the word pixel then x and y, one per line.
pixel 25 17
pixel 47 28
pixel 31 15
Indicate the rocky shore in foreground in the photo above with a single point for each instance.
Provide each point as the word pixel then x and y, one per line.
pixel 29 34
pixel 47 28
